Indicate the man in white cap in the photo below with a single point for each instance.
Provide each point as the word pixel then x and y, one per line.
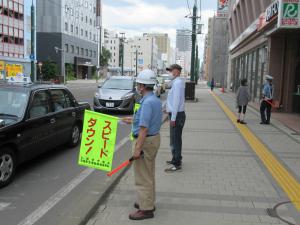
pixel 146 129
pixel 267 100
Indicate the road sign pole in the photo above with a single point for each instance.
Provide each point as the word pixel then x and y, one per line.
pixel 33 69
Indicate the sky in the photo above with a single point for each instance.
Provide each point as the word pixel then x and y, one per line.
pixel 135 17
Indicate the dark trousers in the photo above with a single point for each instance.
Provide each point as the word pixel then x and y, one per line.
pixel 176 139
pixel 265 112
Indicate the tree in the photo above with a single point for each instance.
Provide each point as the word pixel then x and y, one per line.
pixel 105 57
pixel 49 70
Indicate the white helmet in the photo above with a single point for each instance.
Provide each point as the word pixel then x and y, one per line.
pixel 146 77
pixel 269 77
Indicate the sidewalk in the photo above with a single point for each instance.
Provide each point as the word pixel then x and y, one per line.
pixel 223 182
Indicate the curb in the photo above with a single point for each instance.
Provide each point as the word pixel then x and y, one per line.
pixel 108 190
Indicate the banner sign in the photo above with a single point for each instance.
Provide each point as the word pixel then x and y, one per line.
pixel 223 8
pixel 137 106
pixel 98 140
pixel 289 15
pixel 272 11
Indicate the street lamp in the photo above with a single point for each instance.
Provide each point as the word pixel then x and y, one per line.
pixel 63 62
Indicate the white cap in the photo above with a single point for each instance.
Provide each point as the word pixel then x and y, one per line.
pixel 146 77
pixel 269 77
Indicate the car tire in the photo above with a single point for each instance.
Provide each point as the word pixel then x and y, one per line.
pixel 74 136
pixel 8 165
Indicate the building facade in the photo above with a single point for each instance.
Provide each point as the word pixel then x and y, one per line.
pixel 144 50
pixel 266 40
pixel 184 40
pixel 112 43
pixel 73 26
pixel 15 37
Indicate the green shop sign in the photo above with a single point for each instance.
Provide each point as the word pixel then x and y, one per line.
pixel 289 15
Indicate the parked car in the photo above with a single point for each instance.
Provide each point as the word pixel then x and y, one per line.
pixel 118 93
pixel 34 119
pixel 167 80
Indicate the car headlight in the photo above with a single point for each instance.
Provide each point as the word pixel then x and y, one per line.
pixel 127 96
pixel 97 95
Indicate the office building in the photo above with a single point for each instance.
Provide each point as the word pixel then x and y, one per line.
pixel 15 37
pixel 73 27
pixel 112 43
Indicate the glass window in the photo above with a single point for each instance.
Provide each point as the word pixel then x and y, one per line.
pixel 81 32
pixel 13 102
pixel 91 53
pixel 87 52
pixel 72 28
pixel 40 105
pixel 58 100
pixel 66 27
pixel 76 30
pixel 82 51
pixel 77 50
pixel 66 48
pixel 72 48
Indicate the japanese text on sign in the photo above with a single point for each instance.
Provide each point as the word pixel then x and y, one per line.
pixel 98 141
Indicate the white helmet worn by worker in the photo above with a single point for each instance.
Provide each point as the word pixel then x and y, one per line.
pixel 146 77
pixel 269 77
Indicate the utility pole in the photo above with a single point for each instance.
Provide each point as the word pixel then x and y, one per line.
pixel 33 56
pixel 194 37
pixel 122 39
pixel 197 65
pixel 136 62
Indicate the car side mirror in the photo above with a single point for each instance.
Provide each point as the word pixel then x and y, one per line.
pixel 2 123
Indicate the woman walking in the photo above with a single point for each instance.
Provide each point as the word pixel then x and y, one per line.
pixel 242 98
pixel 212 84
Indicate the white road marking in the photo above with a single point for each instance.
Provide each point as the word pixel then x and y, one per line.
pixel 4 205
pixel 63 192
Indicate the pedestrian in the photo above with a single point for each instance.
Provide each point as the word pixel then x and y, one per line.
pixel 175 108
pixel 267 100
pixel 242 99
pixel 146 132
pixel 212 84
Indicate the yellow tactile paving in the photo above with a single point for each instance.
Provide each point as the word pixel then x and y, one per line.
pixel 287 182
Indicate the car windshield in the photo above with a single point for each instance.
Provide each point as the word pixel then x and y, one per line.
pixel 119 84
pixel 13 103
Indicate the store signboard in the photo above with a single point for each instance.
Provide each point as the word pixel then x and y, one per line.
pixel 272 11
pixel 13 70
pixel 289 15
pixel 223 8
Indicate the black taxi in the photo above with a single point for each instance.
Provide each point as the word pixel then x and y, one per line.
pixel 33 119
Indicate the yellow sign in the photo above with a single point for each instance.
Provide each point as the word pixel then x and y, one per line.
pixel 2 65
pixel 137 106
pixel 14 69
pixel 98 140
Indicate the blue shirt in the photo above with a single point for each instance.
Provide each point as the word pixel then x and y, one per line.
pixel 268 91
pixel 176 97
pixel 149 115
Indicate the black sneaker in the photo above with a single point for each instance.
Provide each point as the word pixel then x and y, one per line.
pixel 242 122
pixel 169 162
pixel 238 121
pixel 173 169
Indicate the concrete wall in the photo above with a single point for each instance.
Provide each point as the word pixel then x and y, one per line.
pixel 219 51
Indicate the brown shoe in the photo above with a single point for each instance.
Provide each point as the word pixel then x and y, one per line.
pixel 141 215
pixel 137 206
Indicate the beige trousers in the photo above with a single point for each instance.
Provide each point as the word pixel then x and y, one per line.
pixel 144 173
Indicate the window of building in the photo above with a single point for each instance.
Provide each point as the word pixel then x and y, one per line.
pixel 91 22
pixel 94 9
pixel 91 53
pixel 76 29
pixel 77 50
pixel 72 49
pixel 94 37
pixel 72 28
pixel 90 35
pixel 94 54
pixel 66 48
pixel 66 27
pixel 82 51
pixel 86 52
pixel 86 19
pixel 81 32
pixel 86 33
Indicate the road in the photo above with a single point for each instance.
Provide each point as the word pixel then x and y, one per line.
pixel 52 187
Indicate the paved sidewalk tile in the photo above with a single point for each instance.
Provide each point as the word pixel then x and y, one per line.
pixel 222 182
